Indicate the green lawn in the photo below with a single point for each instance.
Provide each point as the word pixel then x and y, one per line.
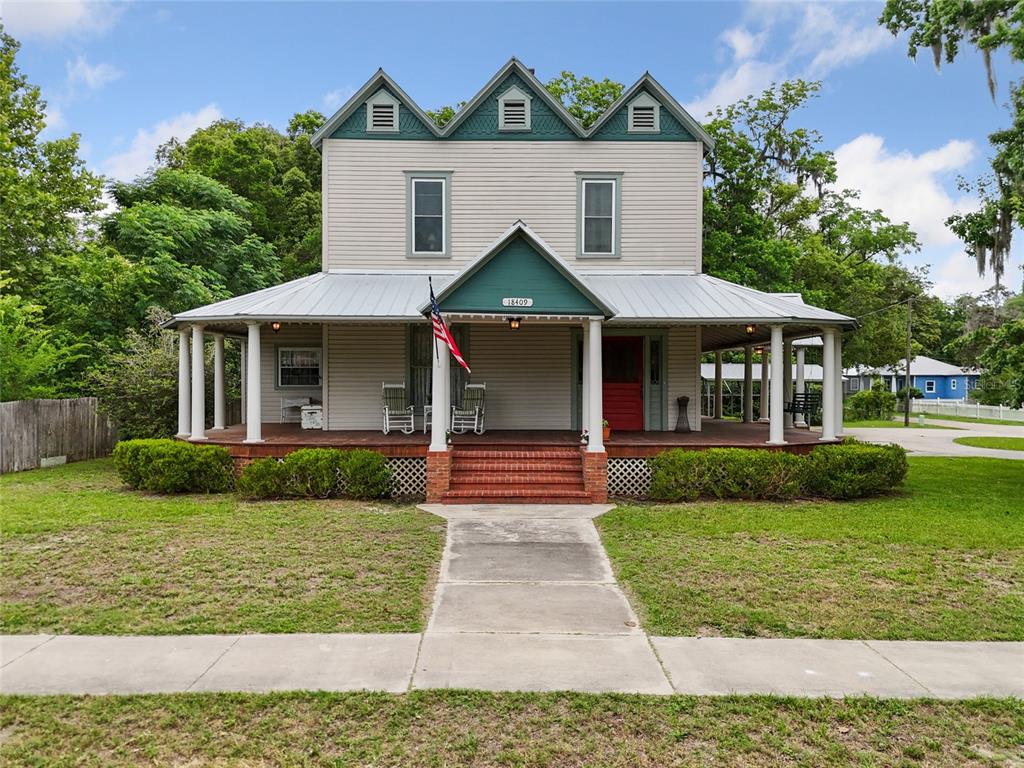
pixel 80 555
pixel 882 423
pixel 942 560
pixel 453 728
pixel 972 420
pixel 1002 443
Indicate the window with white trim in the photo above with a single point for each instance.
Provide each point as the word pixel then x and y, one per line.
pixel 428 212
pixel 929 386
pixel 598 217
pixel 298 367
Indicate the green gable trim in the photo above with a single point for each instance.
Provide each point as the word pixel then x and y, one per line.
pixel 617 126
pixel 519 270
pixel 482 124
pixel 409 125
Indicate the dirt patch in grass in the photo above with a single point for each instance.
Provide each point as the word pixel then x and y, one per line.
pixel 481 729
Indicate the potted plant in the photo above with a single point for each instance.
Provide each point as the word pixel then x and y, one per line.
pixel 606 428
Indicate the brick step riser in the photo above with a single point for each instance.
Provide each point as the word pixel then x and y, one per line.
pixel 517 453
pixel 500 497
pixel 517 477
pixel 499 487
pixel 513 465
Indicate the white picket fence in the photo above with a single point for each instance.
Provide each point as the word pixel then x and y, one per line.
pixel 964 408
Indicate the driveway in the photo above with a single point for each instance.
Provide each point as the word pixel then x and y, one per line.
pixel 939 442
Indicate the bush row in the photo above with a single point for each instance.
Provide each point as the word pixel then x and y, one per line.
pixel 172 466
pixel 319 473
pixel 849 470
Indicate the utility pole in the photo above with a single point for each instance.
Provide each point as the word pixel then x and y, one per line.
pixel 906 400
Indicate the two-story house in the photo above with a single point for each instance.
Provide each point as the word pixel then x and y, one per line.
pixel 567 261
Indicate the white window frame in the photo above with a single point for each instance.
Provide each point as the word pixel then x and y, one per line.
pixel 929 386
pixel 952 385
pixel 413 181
pixel 583 215
pixel 320 367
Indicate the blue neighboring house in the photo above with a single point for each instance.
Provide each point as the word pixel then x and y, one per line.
pixel 936 380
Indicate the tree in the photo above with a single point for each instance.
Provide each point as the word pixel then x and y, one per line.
pixel 585 98
pixel 46 194
pixel 1002 378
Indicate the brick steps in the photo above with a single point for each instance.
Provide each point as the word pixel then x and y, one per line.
pixel 518 465
pixel 516 473
pixel 525 477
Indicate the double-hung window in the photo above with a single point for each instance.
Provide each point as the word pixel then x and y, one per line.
pixel 929 386
pixel 599 216
pixel 428 200
pixel 298 367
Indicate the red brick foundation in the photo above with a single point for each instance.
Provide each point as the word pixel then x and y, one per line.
pixel 595 475
pixel 439 475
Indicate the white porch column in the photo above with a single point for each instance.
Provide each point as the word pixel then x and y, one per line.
pixel 776 431
pixel 828 385
pixel 184 388
pixel 801 387
pixel 764 387
pixel 839 384
pixel 718 385
pixel 198 385
pixel 439 397
pixel 218 381
pixel 585 388
pixel 254 389
pixel 596 404
pixel 748 385
pixel 242 371
pixel 787 379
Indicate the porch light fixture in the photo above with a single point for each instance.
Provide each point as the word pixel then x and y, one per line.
pixel 751 329
pixel 275 326
pixel 513 323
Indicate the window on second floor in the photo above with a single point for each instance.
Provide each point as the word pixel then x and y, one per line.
pixel 428 213
pixel 599 216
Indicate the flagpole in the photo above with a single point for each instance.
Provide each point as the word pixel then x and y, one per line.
pixel 430 283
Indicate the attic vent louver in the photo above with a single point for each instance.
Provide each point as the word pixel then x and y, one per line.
pixel 515 114
pixel 383 117
pixel 644 114
pixel 643 118
pixel 514 110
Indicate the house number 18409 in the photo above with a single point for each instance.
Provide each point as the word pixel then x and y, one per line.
pixel 513 301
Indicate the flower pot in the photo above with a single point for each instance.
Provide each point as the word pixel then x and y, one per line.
pixel 607 431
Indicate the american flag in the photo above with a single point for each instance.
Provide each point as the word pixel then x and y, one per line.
pixel 441 330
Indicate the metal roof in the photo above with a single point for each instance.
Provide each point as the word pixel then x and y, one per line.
pixel 919 366
pixel 658 298
pixel 734 372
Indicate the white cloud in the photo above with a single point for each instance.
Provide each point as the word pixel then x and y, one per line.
pixel 140 155
pixel 334 99
pixel 953 272
pixel 93 77
pixel 737 83
pixel 744 44
pixel 55 20
pixel 834 42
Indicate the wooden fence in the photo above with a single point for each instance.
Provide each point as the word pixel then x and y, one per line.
pixel 36 433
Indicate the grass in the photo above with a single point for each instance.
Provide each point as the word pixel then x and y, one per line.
pixel 972 420
pixel 453 728
pixel 80 555
pixel 1002 443
pixel 896 423
pixel 942 560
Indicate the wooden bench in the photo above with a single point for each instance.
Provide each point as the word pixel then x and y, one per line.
pixel 806 403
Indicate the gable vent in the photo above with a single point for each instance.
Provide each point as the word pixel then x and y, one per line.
pixel 382 117
pixel 514 115
pixel 643 118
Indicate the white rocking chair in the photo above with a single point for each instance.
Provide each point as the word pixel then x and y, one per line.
pixel 398 414
pixel 470 416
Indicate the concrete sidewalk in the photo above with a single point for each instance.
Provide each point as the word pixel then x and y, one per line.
pixel 526 600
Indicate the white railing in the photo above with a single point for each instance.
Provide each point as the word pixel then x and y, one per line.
pixel 967 409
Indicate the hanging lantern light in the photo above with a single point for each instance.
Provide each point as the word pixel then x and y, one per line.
pixel 513 323
pixel 275 326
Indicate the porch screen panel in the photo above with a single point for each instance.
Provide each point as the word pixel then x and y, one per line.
pixel 421 353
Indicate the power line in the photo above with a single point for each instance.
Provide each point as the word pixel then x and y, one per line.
pixel 884 309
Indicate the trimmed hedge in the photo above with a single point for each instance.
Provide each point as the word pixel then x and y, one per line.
pixel 846 471
pixel 172 466
pixel 318 473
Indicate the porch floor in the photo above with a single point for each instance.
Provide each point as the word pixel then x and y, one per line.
pixel 279 439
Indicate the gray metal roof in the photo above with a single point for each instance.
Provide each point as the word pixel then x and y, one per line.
pixel 919 366
pixel 734 372
pixel 399 296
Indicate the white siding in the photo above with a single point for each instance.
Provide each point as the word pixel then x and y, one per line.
pixel 528 374
pixel 359 359
pixel 270 342
pixel 496 182
pixel 684 373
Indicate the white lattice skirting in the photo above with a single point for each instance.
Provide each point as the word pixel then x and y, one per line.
pixel 409 476
pixel 629 477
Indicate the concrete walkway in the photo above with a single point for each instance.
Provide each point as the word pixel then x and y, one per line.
pixel 939 442
pixel 526 600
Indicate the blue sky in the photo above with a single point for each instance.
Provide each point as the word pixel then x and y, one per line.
pixel 130 75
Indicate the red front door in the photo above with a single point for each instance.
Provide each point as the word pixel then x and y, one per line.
pixel 622 358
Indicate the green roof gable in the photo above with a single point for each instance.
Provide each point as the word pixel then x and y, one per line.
pixel 482 124
pixel 616 127
pixel 409 125
pixel 518 270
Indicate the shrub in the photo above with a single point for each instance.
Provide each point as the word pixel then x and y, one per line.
pixel 874 403
pixel 846 471
pixel 365 475
pixel 171 466
pixel 262 479
pixel 318 473
pixel 852 470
